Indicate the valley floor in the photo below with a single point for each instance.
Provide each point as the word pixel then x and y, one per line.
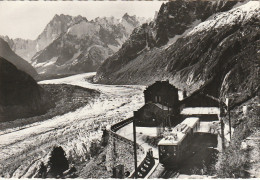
pixel 23 149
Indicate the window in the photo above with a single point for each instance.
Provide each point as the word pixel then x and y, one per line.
pixel 162 149
pixel 159 97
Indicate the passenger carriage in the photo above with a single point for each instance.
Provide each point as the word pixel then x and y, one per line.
pixel 174 147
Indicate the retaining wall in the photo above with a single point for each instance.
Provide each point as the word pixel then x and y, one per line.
pixel 120 149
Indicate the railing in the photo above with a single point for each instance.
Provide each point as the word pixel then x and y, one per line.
pixel 145 166
pixel 121 124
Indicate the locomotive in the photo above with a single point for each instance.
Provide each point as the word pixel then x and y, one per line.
pixel 174 147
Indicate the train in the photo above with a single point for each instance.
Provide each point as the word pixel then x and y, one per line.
pixel 174 147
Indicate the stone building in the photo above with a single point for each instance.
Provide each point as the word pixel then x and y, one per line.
pixel 162 92
pixel 161 106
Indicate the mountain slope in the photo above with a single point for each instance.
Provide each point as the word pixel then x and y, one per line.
pixel 19 93
pixel 84 46
pixel 27 48
pixel 220 53
pixel 7 53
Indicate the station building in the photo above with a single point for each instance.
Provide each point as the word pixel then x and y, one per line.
pixel 161 106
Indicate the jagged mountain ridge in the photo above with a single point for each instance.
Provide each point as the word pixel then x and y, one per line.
pixel 7 53
pixel 84 46
pixel 19 93
pixel 170 22
pixel 27 48
pixel 220 53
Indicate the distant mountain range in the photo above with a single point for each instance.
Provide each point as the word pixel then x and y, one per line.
pixel 7 53
pixel 70 45
pixel 27 48
pixel 193 44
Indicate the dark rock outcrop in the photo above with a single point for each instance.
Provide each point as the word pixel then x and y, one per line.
pixel 20 95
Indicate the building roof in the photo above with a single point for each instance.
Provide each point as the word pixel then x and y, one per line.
pixel 162 83
pixel 172 139
pixel 157 105
pixel 191 122
pixel 200 110
pixel 198 93
pixel 165 108
pixel 179 132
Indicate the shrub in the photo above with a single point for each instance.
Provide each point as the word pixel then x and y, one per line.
pixel 94 148
pixel 232 163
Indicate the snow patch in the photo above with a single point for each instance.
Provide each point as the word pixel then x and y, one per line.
pixel 45 64
pixel 128 27
pixel 51 61
pixel 239 14
pixel 84 29
pixel 176 37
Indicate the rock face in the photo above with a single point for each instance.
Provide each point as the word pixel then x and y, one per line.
pixel 27 48
pixel 20 95
pixel 192 47
pixel 21 64
pixel 84 46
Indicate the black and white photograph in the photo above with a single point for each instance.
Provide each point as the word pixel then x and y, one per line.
pixel 130 89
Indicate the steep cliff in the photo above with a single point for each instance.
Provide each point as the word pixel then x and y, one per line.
pixel 84 46
pixel 27 48
pixel 20 95
pixel 192 49
pixel 7 53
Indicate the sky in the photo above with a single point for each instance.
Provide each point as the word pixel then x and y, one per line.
pixel 27 19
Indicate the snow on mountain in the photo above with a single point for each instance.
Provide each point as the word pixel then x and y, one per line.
pixel 85 45
pixel 84 29
pixel 239 14
pixel 193 44
pixel 28 48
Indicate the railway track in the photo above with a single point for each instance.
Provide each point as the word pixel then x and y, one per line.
pixel 169 173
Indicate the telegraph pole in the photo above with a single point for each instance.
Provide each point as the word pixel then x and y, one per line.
pixel 221 104
pixel 135 153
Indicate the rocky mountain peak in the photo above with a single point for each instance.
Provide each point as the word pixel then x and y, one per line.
pixel 61 17
pixel 126 16
pixel 84 45
pixel 130 19
pixel 177 16
pixel 173 21
pixel 79 18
